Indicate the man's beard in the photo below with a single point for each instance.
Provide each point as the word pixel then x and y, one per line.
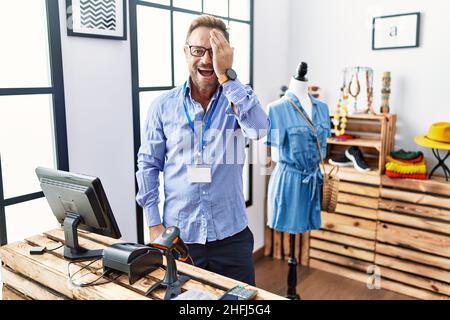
pixel 202 84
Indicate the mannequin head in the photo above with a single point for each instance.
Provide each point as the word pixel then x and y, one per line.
pixel 302 70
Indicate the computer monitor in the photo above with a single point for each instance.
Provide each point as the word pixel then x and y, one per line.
pixel 78 201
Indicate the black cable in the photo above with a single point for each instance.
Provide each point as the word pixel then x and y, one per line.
pixel 50 250
pixel 91 283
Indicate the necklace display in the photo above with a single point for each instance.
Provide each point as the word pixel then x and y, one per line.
pixel 340 117
pixel 357 90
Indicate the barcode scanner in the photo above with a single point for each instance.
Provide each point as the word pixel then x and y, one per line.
pixel 169 241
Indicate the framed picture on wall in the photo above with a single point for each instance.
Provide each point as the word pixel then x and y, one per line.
pixel 396 31
pixel 97 18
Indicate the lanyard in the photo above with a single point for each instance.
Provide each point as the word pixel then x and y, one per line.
pixel 208 122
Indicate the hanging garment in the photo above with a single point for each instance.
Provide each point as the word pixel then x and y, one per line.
pixel 294 193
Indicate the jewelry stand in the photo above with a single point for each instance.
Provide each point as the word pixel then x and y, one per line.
pixel 441 164
pixel 292 271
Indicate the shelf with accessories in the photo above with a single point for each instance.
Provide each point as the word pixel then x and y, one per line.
pixel 372 134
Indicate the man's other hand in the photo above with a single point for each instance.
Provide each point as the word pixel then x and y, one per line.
pixel 155 231
pixel 223 54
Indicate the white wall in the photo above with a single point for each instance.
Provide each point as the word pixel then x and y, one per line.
pixel 331 35
pixel 97 80
pixel 271 44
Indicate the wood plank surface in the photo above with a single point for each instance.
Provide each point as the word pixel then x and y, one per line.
pixel 414 239
pixel 286 245
pixel 304 255
pixel 352 175
pixel 385 283
pixel 411 267
pixel 348 225
pixel 359 189
pixel 9 293
pixel 418 210
pixel 28 287
pixel 342 271
pixel 268 241
pixel 341 260
pixel 358 200
pixel 343 250
pixel 344 239
pixel 277 244
pixel 434 185
pixel 420 223
pixel 411 291
pixel 200 277
pixel 407 254
pixel 355 211
pixel 416 198
pixel 417 281
pixel 52 271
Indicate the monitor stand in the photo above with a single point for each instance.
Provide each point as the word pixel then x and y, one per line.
pixel 72 250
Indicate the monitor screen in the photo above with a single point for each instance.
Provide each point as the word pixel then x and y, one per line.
pixel 78 201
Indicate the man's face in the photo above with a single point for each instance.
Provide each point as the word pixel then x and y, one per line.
pixel 201 69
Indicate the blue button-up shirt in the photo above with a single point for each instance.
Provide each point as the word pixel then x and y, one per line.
pixel 202 211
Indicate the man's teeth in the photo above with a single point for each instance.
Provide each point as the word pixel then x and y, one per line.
pixel 206 72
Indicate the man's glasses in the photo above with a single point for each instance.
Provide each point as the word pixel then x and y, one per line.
pixel 198 51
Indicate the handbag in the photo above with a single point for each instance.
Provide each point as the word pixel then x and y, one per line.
pixel 330 186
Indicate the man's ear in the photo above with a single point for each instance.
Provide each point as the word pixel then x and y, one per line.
pixel 186 52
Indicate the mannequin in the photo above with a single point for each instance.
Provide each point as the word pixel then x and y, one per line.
pixel 299 87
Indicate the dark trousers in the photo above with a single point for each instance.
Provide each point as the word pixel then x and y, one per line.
pixel 231 257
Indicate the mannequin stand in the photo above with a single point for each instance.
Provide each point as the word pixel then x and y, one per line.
pixel 441 163
pixel 292 271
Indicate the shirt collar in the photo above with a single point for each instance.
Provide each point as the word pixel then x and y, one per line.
pixel 188 91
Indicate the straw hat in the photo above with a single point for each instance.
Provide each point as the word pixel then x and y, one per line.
pixel 438 137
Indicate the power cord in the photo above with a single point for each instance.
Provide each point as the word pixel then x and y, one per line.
pixel 91 283
pixel 42 250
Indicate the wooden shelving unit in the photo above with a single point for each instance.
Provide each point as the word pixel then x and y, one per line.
pixel 374 135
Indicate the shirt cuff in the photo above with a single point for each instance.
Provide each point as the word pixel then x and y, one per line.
pixel 237 94
pixel 152 216
pixel 235 91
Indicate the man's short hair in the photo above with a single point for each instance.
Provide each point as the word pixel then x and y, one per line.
pixel 208 22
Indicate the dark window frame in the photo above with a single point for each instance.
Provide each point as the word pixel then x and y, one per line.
pixel 59 111
pixel 136 89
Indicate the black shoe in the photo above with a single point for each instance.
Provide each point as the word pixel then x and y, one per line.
pixel 355 155
pixel 341 162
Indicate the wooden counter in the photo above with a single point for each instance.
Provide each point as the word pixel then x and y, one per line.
pixel 45 277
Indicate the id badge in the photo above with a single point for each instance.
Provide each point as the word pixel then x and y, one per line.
pixel 199 174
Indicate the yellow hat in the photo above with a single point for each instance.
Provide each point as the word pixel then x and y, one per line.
pixel 438 137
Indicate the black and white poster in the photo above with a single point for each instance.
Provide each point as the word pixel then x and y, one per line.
pixel 96 18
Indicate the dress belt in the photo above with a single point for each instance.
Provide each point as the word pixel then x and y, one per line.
pixel 314 174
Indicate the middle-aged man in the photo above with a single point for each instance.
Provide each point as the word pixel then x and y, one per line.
pixel 188 133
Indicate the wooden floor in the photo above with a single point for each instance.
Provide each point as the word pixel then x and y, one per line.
pixel 314 284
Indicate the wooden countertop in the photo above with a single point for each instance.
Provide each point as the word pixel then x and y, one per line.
pixel 46 276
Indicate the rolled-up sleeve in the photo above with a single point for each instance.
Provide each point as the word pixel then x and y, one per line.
pixel 250 115
pixel 151 158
